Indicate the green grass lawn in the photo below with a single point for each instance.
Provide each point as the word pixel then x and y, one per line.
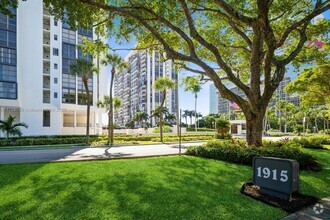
pixel 155 188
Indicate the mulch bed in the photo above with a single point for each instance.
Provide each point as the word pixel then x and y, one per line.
pixel 298 202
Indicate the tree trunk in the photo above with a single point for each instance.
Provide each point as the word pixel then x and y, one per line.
pixel 161 126
pixel 85 80
pixel 254 129
pixel 196 112
pixel 110 113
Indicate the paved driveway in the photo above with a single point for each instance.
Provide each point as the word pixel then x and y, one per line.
pixel 90 153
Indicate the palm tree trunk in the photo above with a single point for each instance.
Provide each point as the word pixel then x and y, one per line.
pixel 85 80
pixel 110 113
pixel 196 112
pixel 161 116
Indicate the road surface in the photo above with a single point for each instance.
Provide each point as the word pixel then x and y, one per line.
pixel 89 153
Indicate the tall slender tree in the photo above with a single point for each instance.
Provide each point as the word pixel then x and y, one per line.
pixel 105 103
pixel 85 69
pixel 96 48
pixel 163 84
pixel 141 118
pixel 10 127
pixel 192 84
pixel 116 63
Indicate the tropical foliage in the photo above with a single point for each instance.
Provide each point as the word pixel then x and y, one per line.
pixel 11 128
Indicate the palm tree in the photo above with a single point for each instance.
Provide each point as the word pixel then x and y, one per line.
pixel 185 116
pixel 116 62
pixel 140 117
pixel 170 118
pixel 106 103
pixel 190 115
pixel 163 84
pixel 192 84
pixel 10 128
pixel 94 48
pixel 85 69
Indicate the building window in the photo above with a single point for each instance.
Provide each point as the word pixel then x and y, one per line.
pixel 55 80
pixel 69 36
pixel 55 95
pixel 69 96
pixel 55 66
pixel 8 90
pixel 55 51
pixel 55 23
pixel 46 118
pixel 55 36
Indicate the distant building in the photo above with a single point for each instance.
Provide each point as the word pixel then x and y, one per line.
pixel 214 97
pixel 135 86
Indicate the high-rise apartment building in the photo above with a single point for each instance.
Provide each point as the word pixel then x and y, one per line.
pixel 214 97
pixel 36 85
pixel 135 86
pixel 279 94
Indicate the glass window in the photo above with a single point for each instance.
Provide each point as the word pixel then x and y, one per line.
pixel 66 63
pixel 11 39
pixel 7 56
pixel 55 80
pixel 68 96
pixel 55 51
pixel 55 66
pixel 12 23
pixel 8 90
pixel 69 36
pixel 55 23
pixel 69 51
pixel 86 32
pixel 3 21
pixel 55 36
pixel 55 95
pixel 46 118
pixel 3 38
pixel 8 73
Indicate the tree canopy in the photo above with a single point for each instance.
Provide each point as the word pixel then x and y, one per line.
pixel 248 43
pixel 313 85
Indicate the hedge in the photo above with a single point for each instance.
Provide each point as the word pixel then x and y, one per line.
pixel 237 152
pixel 313 142
pixel 94 139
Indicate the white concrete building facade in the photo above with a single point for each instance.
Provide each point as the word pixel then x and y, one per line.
pixel 135 86
pixel 36 85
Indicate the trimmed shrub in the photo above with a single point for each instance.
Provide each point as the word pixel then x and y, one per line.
pixel 223 136
pixel 237 152
pixel 313 142
pixel 166 129
pixel 200 129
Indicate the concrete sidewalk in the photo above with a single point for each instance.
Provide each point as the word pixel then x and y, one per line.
pixel 90 153
pixel 320 210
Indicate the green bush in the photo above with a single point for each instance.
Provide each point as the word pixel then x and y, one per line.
pixel 166 129
pixel 200 129
pixel 223 136
pixel 313 142
pixel 237 152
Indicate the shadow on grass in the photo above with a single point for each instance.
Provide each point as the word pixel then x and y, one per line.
pixel 155 188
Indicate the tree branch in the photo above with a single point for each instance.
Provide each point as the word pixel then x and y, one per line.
pixel 295 25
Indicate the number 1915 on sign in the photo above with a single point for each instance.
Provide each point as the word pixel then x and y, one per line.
pixel 275 174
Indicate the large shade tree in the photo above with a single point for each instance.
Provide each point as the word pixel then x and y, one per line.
pixel 117 64
pixel 85 68
pixel 249 43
